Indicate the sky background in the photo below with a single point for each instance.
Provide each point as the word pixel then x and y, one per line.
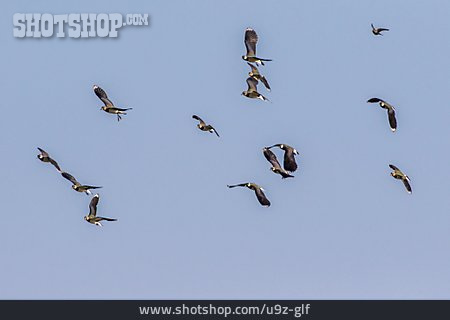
pixel 343 228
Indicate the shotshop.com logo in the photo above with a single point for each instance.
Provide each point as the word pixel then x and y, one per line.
pixel 77 25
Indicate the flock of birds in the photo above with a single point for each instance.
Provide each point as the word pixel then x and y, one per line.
pixel 289 162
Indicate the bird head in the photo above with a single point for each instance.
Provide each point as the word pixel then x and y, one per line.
pixel 244 57
pixel 74 187
pixel 103 108
pixel 86 218
pixel 243 93
pixel 40 156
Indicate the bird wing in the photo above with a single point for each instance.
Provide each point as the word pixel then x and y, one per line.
pixel 93 205
pixel 264 81
pixel 383 29
pixel 392 119
pixel 289 160
pixel 271 157
pixel 394 168
pixel 252 83
pixel 45 154
pixel 55 164
pixel 237 185
pixel 250 40
pixel 210 127
pixel 106 219
pixel 374 100
pixel 69 177
pixel 254 68
pixel 407 185
pixel 262 197
pixel 101 94
pixel 198 118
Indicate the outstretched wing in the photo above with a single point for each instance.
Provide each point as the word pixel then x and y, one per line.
pixel 250 40
pixel 382 29
pixel 55 164
pixel 69 177
pixel 252 83
pixel 106 219
pixel 374 100
pixel 255 70
pixel 211 128
pixel 262 197
pixel 101 94
pixel 392 119
pixel 407 185
pixel 271 157
pixel 289 160
pixel 237 185
pixel 264 81
pixel 394 167
pixel 198 118
pixel 45 154
pixel 93 205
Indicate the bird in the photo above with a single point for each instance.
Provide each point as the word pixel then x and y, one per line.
pixel 289 163
pixel 78 186
pixel 398 174
pixel 259 192
pixel 250 40
pixel 276 167
pixel 203 126
pixel 44 157
pixel 252 91
pixel 92 216
pixel 377 31
pixel 390 111
pixel 109 106
pixel 254 73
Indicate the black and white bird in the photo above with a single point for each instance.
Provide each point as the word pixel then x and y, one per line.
pixel 378 31
pixel 276 167
pixel 44 157
pixel 109 106
pixel 254 73
pixel 390 111
pixel 250 40
pixel 398 174
pixel 203 126
pixel 92 216
pixel 289 163
pixel 259 192
pixel 78 186
pixel 252 91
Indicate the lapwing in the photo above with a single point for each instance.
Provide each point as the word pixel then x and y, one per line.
pixel 398 174
pixel 276 167
pixel 390 111
pixel 250 40
pixel 259 192
pixel 378 31
pixel 44 157
pixel 258 76
pixel 109 106
pixel 203 126
pixel 78 186
pixel 289 163
pixel 92 216
pixel 252 91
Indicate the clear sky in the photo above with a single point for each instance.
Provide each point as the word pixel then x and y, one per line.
pixel 342 228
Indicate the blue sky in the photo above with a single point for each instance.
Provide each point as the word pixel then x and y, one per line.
pixel 342 228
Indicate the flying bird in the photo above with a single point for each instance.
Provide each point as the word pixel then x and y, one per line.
pixel 252 91
pixel 276 167
pixel 109 106
pixel 258 192
pixel 254 73
pixel 398 174
pixel 377 31
pixel 289 163
pixel 250 40
pixel 44 157
pixel 78 186
pixel 92 216
pixel 390 111
pixel 203 126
